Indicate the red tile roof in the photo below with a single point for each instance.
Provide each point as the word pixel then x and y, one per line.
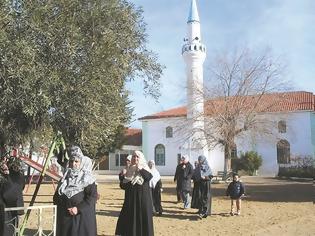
pixel 133 137
pixel 273 102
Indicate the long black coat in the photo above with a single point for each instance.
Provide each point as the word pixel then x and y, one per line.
pixel 156 197
pixel 136 216
pixel 205 199
pixel 176 177
pixel 184 177
pixel 195 194
pixel 11 195
pixel 82 224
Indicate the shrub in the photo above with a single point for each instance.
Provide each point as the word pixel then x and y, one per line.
pixel 250 162
pixel 300 166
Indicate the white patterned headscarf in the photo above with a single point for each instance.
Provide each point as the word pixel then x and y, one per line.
pixel 75 180
pixel 133 174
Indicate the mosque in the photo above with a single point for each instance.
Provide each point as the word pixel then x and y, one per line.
pixel 167 135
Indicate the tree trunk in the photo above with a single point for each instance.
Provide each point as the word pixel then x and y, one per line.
pixel 227 160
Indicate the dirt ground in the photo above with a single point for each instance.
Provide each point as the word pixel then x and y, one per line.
pixel 271 207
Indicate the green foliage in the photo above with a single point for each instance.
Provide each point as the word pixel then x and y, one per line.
pixel 300 166
pixel 294 171
pixel 250 162
pixel 64 64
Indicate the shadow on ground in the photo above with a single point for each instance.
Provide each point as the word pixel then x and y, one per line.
pixel 265 189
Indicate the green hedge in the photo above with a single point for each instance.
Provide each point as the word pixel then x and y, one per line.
pixel 306 172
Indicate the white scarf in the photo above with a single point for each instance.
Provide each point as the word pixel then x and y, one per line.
pixel 133 175
pixel 156 175
pixel 74 181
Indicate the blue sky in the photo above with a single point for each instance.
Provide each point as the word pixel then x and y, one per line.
pixel 286 26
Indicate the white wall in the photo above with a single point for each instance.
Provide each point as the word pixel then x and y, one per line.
pixel 298 135
pixel 153 134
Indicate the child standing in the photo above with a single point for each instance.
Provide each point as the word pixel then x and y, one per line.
pixel 235 190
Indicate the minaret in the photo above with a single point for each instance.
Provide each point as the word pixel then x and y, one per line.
pixel 194 54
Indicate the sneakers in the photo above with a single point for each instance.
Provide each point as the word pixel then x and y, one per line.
pixel 235 214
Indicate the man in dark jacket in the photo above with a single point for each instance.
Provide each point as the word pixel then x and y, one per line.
pixel 177 180
pixel 185 173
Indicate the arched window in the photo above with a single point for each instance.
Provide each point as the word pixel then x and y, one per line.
pixel 282 126
pixel 169 132
pixel 283 152
pixel 159 155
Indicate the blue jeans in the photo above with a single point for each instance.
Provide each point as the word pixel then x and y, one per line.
pixel 186 198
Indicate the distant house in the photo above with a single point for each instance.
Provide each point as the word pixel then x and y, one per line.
pixel 116 160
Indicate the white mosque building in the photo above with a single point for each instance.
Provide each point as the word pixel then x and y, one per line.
pixel 164 136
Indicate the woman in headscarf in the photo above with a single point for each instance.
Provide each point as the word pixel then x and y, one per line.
pixel 156 188
pixel 135 218
pixel 203 176
pixel 76 197
pixel 11 195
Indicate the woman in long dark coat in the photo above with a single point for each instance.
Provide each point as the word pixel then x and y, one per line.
pixel 76 197
pixel 156 188
pixel 196 190
pixel 136 218
pixel 11 195
pixel 203 176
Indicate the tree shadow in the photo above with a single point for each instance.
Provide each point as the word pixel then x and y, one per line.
pixel 265 189
pixel 107 213
pixel 179 215
pixel 293 192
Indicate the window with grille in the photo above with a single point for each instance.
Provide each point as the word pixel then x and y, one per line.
pixel 282 126
pixel 169 132
pixel 159 155
pixel 120 159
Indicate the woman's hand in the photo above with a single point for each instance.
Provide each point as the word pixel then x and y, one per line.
pixel 73 211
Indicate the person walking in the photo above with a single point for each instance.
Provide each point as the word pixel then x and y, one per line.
pixel 184 179
pixel 196 189
pixel 178 183
pixel 203 176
